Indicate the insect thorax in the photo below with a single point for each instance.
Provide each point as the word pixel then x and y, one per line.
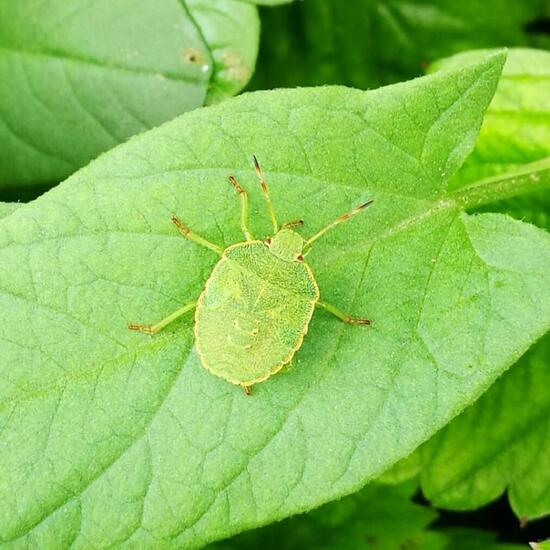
pixel 287 245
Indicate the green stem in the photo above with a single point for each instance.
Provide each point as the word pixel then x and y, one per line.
pixel 528 178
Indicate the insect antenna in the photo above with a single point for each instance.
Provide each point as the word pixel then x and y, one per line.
pixel 290 225
pixel 342 218
pixel 263 185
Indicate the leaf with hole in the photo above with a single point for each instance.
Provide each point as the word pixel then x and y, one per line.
pixel 80 77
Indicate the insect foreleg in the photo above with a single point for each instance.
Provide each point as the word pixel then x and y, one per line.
pixel 153 329
pixel 342 315
pixel 244 208
pixel 265 191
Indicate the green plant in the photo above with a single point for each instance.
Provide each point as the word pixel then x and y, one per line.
pixel 112 440
pixel 79 78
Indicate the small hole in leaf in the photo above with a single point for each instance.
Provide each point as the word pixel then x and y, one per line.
pixel 193 56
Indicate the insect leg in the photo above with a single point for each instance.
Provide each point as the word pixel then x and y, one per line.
pixel 192 236
pixel 338 220
pixel 342 315
pixel 263 185
pixel 247 390
pixel 153 329
pixel 244 208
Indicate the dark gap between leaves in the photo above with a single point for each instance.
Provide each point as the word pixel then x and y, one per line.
pixel 538 26
pixel 496 517
pixel 23 194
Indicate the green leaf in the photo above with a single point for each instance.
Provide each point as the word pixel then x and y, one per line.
pixel 81 77
pixel 95 418
pixel 500 442
pixel 516 127
pixel 268 2
pixel 377 517
pixel 231 29
pixel 404 470
pixel 6 208
pixel 543 545
pixel 476 539
pixel 365 43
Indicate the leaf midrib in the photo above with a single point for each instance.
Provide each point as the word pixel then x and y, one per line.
pixel 481 192
pixel 65 57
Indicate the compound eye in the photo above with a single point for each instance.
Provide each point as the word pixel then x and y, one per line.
pixel 300 257
pixel 268 241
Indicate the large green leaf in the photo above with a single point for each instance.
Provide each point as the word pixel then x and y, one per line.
pixel 502 441
pixel 80 77
pixel 6 208
pixel 365 43
pixel 112 437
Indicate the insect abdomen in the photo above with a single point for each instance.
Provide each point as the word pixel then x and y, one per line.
pixel 253 313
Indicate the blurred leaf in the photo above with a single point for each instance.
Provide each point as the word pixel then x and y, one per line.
pixel 515 130
pixel 476 539
pixel 516 127
pixel 112 437
pixel 404 470
pixel 376 518
pixel 543 545
pixel 501 441
pixel 268 2
pixel 366 43
pixel 81 77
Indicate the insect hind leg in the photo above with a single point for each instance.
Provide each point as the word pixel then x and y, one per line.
pixel 345 317
pixel 157 327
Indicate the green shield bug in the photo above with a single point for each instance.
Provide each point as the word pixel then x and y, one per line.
pixel 255 308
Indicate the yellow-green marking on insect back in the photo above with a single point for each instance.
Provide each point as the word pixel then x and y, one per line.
pixel 255 308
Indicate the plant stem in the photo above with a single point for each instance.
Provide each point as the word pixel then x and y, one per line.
pixel 528 178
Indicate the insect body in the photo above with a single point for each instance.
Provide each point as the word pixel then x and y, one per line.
pixel 256 306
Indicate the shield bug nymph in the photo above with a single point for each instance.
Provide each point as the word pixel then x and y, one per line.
pixel 255 308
